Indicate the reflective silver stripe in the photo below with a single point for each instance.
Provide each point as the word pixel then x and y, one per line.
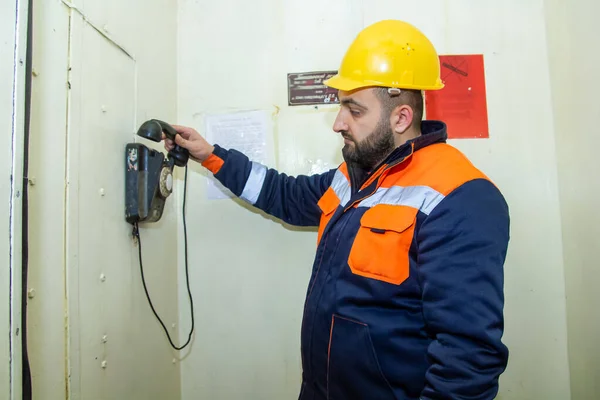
pixel 254 183
pixel 341 187
pixel 422 198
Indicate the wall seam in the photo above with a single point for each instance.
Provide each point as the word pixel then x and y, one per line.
pixel 554 124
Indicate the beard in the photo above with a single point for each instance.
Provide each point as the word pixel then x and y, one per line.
pixel 370 151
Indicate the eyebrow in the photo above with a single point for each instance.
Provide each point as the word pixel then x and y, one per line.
pixel 347 102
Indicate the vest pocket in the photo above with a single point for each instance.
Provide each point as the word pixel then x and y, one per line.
pixel 328 204
pixel 380 249
pixel 353 371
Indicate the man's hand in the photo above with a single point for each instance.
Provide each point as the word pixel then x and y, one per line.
pixel 191 140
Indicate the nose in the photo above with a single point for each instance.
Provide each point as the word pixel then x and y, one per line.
pixel 340 125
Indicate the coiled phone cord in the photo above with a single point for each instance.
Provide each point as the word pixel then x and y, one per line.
pixel 136 233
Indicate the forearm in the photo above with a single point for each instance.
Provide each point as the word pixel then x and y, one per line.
pixel 291 199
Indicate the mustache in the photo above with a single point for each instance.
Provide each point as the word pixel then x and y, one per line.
pixel 346 135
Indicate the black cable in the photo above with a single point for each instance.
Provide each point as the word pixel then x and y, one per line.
pixel 136 233
pixel 26 369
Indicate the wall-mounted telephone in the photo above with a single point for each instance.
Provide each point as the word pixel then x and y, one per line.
pixel 148 184
pixel 149 174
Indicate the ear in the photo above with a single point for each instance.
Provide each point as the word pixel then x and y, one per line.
pixel 401 119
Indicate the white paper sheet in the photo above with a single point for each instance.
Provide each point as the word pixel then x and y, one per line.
pixel 242 131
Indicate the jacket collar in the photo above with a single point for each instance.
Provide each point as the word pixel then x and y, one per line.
pixel 431 132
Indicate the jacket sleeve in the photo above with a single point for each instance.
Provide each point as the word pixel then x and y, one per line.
pixel 291 199
pixel 462 247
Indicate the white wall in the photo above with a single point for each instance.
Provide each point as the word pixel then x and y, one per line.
pixel 7 47
pixel 89 98
pixel 47 311
pixel 249 274
pixel 573 58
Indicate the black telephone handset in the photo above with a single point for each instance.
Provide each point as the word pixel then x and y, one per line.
pixel 153 129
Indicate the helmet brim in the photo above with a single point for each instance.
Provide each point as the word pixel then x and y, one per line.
pixel 344 84
pixel 348 85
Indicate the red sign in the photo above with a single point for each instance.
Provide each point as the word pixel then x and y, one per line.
pixel 462 103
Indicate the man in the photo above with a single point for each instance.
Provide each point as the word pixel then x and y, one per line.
pixel 406 299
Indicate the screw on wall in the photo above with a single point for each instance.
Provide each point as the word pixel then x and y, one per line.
pixel 102 277
pixel 104 364
pixel 104 339
pixel 31 293
pixel 102 192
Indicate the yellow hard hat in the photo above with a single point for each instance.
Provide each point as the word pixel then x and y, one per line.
pixel 389 53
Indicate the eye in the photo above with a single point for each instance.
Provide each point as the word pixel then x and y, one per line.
pixel 356 113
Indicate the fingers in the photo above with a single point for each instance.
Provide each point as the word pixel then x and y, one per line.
pixel 166 140
pixel 181 141
pixel 169 144
pixel 181 128
pixel 185 131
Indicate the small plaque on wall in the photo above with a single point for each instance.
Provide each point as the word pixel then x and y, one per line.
pixel 307 88
pixel 462 103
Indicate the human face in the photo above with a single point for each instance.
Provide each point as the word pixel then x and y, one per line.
pixel 368 135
